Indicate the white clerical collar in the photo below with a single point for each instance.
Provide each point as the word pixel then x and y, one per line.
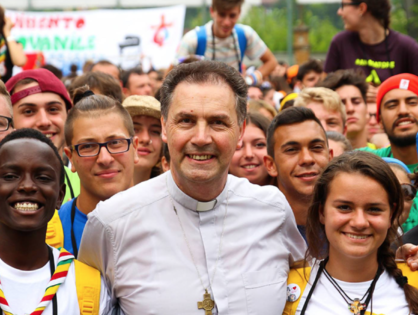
pixel 206 206
pixel 188 202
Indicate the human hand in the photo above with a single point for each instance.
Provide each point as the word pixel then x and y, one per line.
pixel 409 253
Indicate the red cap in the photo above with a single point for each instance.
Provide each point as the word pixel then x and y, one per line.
pixel 404 81
pixel 47 81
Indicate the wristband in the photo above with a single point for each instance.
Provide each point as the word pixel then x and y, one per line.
pixel 10 38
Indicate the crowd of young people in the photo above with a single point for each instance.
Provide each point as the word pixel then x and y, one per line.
pixel 217 189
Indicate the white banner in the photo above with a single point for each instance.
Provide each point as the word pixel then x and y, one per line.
pixel 124 37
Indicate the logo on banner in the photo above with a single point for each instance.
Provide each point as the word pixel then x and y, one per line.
pixel 161 34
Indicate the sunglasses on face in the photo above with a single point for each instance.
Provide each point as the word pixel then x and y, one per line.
pixel 408 191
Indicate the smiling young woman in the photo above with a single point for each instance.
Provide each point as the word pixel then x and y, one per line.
pixel 369 44
pixel 351 223
pixel 248 159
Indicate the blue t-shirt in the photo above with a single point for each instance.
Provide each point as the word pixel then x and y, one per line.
pixel 80 221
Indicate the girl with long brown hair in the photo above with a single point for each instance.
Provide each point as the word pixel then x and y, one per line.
pixel 351 223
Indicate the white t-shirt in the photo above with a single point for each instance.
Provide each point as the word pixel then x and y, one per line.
pixel 24 290
pixel 226 49
pixel 136 241
pixel 388 297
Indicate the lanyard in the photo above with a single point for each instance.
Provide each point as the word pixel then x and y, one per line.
pixel 366 57
pixel 73 241
pixel 69 185
pixel 235 48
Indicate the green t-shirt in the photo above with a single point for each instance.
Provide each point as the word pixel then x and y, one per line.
pixel 75 185
pixel 412 220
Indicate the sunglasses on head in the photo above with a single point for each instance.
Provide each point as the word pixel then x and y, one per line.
pixel 345 4
pixel 408 191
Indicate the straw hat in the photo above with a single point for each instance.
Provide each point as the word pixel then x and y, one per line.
pixel 142 105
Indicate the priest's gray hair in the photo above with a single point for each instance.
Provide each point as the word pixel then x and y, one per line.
pixel 205 71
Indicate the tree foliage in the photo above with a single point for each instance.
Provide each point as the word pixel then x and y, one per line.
pixel 322 20
pixel 323 23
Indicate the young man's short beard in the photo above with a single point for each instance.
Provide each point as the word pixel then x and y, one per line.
pixel 402 141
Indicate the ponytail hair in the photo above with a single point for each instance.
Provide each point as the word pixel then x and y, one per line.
pixel 379 9
pixel 385 256
pixel 88 104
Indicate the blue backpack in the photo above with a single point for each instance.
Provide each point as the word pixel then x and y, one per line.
pixel 202 39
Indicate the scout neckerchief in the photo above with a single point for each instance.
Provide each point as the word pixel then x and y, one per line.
pixel 64 262
pixel 3 49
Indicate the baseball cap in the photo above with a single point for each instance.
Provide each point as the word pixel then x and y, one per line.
pixel 47 81
pixel 144 105
pixel 404 81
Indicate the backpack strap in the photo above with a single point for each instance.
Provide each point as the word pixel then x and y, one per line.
pixel 87 280
pixel 54 232
pixel 411 275
pixel 242 42
pixel 298 277
pixel 201 40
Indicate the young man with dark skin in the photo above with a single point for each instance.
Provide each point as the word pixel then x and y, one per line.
pixel 397 113
pixel 40 101
pixel 31 188
pixel 298 151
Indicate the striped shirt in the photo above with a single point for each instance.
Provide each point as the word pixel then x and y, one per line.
pixel 226 50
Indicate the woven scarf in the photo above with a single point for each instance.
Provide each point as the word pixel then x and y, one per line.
pixel 3 48
pixel 64 262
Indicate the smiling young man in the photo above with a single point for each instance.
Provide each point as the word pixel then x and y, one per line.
pixel 196 237
pixel 40 101
pixel 223 40
pixel 36 278
pixel 397 112
pixel 102 150
pixel 298 151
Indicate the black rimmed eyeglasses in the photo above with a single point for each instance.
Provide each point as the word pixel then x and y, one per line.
pixel 345 4
pixel 5 123
pixel 89 149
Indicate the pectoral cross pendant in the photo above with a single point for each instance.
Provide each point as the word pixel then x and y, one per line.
pixel 207 304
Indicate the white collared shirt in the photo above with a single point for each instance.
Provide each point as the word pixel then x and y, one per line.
pixel 136 241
